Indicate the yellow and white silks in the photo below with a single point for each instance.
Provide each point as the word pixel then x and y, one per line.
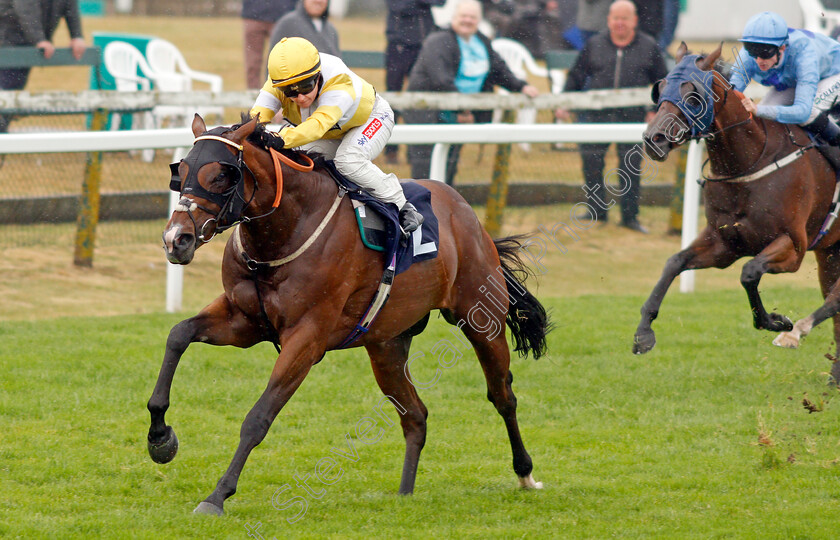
pixel 348 123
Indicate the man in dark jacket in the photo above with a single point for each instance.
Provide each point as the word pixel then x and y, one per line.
pixel 621 57
pixel 258 18
pixel 408 24
pixel 33 22
pixel 310 20
pixel 443 67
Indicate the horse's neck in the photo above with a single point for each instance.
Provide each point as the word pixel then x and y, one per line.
pixel 738 148
pixel 305 199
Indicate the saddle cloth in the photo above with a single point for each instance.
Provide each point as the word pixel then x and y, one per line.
pixel 379 223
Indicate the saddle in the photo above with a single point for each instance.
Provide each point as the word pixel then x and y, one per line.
pixel 379 223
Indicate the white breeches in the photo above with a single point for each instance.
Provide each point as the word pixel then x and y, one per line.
pixel 353 153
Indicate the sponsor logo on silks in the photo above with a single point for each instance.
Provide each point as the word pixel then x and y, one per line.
pixel 372 128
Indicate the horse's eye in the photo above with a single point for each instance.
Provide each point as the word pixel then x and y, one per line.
pixel 687 89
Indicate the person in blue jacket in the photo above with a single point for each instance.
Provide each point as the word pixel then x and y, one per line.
pixel 801 67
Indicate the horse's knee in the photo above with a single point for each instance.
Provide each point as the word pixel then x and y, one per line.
pixel 180 336
pixel 752 272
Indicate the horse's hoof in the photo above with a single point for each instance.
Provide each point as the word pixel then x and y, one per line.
pixel 209 509
pixel 643 343
pixel 164 451
pixel 528 482
pixel 834 380
pixel 786 340
pixel 779 323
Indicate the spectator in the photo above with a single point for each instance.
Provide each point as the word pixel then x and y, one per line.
pixel 309 21
pixel 534 23
pixel 258 18
pixel 618 58
pixel 591 19
pixel 457 60
pixel 670 18
pixel 34 23
pixel 650 13
pixel 409 22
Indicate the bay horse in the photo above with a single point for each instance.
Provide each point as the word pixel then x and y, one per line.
pixel 321 286
pixel 768 196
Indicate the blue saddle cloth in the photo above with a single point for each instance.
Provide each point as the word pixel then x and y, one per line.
pixel 423 243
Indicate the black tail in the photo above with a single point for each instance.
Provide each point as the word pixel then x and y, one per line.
pixel 526 317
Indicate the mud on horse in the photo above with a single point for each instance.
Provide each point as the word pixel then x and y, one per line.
pixel 769 196
pixel 308 303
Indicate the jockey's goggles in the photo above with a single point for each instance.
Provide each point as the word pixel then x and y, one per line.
pixel 302 87
pixel 765 51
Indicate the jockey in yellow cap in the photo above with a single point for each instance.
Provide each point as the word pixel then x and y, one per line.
pixel 330 110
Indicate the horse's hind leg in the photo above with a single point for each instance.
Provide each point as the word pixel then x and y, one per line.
pixel 216 324
pixel 388 360
pixel 494 357
pixel 777 258
pixel 828 262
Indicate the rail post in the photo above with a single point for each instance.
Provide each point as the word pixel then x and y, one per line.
pixel 89 202
pixel 497 197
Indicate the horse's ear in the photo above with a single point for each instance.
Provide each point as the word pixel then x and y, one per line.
pixel 709 60
pixel 198 125
pixel 681 51
pixel 244 130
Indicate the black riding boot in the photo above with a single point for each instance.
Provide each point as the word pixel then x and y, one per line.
pixel 826 128
pixel 410 218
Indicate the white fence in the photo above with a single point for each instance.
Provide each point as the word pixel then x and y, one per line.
pixel 440 135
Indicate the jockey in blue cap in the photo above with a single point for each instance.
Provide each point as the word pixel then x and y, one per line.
pixel 803 69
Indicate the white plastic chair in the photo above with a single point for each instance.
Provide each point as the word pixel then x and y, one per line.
pixel 165 58
pixel 123 61
pixel 520 62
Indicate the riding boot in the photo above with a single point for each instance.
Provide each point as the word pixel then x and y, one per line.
pixel 410 218
pixel 825 127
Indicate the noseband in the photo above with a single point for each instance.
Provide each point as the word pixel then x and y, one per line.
pixel 231 202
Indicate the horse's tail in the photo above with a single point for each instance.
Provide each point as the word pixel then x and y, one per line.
pixel 526 317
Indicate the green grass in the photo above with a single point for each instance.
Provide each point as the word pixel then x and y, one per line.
pixel 706 436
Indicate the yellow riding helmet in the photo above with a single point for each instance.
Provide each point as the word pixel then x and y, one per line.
pixel 292 60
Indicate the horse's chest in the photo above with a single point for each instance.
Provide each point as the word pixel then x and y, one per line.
pixel 244 296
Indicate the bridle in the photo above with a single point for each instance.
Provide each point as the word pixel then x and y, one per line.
pixel 702 118
pixel 231 202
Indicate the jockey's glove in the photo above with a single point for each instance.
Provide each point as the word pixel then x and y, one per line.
pixel 271 139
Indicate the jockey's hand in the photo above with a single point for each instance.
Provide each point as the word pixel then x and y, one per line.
pixel 749 105
pixel 271 139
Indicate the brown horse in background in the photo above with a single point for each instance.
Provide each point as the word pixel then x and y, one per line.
pixel 774 217
pixel 322 285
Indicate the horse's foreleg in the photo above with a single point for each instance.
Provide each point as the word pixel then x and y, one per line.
pixel 299 352
pixel 702 253
pixel 779 257
pixel 217 324
pixel 389 367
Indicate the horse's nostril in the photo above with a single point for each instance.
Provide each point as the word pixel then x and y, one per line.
pixel 184 240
